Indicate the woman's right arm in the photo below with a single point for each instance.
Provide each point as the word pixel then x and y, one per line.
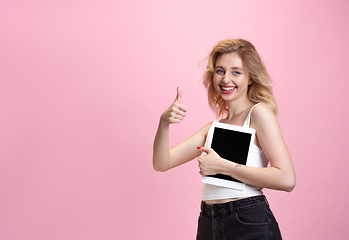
pixel 165 158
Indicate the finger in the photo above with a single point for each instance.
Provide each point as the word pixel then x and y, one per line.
pixel 179 95
pixel 177 110
pixel 176 115
pixel 174 120
pixel 199 161
pixel 177 118
pixel 182 107
pixel 204 149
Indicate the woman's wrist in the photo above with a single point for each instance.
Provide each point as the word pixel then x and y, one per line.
pixel 228 167
pixel 163 123
pixel 224 166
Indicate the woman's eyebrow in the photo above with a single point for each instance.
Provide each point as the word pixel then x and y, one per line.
pixel 237 68
pixel 233 68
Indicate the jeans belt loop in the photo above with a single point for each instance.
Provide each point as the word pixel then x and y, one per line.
pixel 266 200
pixel 203 209
pixel 231 207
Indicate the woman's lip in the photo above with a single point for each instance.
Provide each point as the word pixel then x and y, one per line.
pixel 228 89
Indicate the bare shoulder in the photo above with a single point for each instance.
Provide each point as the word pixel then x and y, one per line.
pixel 262 109
pixel 267 127
pixel 262 115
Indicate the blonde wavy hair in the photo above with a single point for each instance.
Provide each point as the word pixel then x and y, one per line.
pixel 259 90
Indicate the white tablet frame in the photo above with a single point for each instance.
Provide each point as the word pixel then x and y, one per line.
pixel 223 182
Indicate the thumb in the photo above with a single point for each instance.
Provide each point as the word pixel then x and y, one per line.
pixel 203 149
pixel 179 95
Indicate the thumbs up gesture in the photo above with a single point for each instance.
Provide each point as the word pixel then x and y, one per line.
pixel 176 112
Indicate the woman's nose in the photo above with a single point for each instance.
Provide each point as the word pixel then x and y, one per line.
pixel 226 78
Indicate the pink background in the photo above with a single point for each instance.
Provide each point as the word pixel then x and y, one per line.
pixel 82 86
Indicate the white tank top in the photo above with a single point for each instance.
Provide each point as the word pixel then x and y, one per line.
pixel 256 158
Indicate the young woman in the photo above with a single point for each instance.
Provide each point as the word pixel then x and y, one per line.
pixel 239 92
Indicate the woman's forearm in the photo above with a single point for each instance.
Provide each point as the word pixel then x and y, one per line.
pixel 174 114
pixel 161 153
pixel 267 177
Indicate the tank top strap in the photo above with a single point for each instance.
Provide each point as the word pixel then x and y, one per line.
pixel 248 118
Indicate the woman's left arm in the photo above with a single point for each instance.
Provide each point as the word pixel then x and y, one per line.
pixel 279 176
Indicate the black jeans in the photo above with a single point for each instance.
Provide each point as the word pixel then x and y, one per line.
pixel 247 218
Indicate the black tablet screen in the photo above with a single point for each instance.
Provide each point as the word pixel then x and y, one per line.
pixel 231 145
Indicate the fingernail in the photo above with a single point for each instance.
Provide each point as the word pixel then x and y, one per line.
pixel 177 88
pixel 198 147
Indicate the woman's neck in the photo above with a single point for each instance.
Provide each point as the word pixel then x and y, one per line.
pixel 238 106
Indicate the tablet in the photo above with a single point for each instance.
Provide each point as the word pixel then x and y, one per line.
pixel 233 143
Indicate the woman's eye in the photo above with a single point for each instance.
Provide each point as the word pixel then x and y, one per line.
pixel 236 73
pixel 219 71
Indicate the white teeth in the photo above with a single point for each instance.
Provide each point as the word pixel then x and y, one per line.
pixel 227 88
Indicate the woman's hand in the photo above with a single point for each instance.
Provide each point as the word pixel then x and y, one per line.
pixel 210 163
pixel 176 112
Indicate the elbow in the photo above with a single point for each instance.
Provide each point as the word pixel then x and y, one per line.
pixel 290 188
pixel 289 184
pixel 159 168
pixel 161 165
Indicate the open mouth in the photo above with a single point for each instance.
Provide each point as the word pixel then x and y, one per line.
pixel 226 88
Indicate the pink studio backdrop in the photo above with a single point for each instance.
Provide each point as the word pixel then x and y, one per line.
pixel 82 86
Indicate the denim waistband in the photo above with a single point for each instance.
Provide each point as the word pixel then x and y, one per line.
pixel 233 206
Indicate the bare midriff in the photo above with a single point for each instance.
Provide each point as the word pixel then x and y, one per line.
pixel 218 201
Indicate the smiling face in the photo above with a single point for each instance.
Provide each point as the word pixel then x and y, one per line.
pixel 230 78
